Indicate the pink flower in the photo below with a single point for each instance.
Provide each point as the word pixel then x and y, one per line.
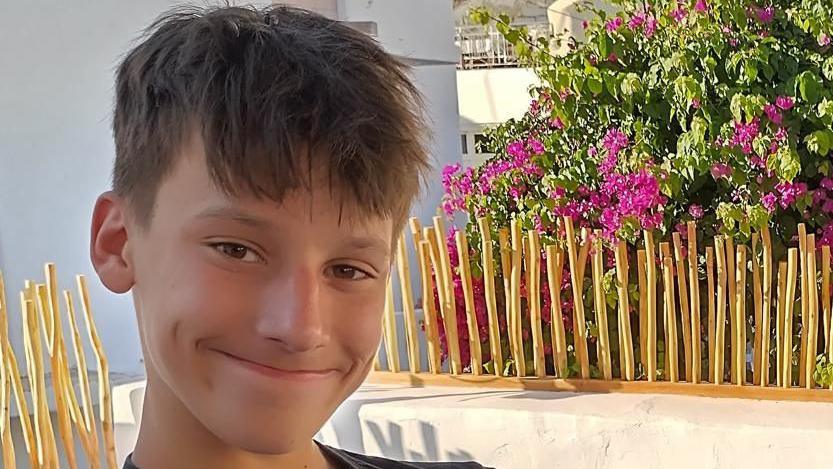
pixel 536 146
pixel 612 57
pixel 785 102
pixel 765 15
pixel 772 114
pixel 615 141
pixel 758 162
pixel 781 134
pixel 824 40
pixel 636 21
pixel 701 6
pixel 720 170
pixel 557 123
pixel 827 183
pixel 585 24
pixel 695 103
pixel 650 27
pixel 679 14
pixel 769 200
pixel 744 134
pixel 695 211
pixel 613 25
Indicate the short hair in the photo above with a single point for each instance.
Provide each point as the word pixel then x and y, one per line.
pixel 274 92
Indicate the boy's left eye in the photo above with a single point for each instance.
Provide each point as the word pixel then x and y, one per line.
pixel 237 252
pixel 348 272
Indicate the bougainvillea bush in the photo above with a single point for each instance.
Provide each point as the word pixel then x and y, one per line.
pixel 717 111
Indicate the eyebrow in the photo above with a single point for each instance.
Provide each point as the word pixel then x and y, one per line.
pixel 234 214
pixel 367 243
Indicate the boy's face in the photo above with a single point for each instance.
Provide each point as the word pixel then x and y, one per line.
pixel 260 318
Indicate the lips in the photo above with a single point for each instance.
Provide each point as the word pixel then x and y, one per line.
pixel 279 373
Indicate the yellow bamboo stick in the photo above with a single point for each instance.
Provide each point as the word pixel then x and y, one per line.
pixel 45 309
pixel 505 246
pixel 792 271
pixel 429 310
pixel 720 319
pixel 447 306
pixel 391 341
pixel 812 332
pixel 757 297
pixel 9 458
pixel 87 427
pixel 766 306
pixel 651 305
pixel 670 319
pixel 105 398
pixel 515 298
pixel 603 344
pixel 804 285
pixel 468 296
pixel 740 311
pixel 710 324
pixel 44 434
pixel 780 321
pixel 452 329
pixel 577 281
pixel 643 309
pixel 534 297
pixel 626 365
pixel 555 267
pixel 694 284
pixel 408 310
pixel 487 258
pixel 666 252
pixel 684 299
pixel 729 245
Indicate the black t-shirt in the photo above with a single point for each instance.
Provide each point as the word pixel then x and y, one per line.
pixel 347 460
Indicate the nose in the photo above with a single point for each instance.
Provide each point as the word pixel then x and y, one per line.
pixel 291 312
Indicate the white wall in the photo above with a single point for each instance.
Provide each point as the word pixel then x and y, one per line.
pixel 491 96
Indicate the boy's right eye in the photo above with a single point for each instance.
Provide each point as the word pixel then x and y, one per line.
pixel 237 251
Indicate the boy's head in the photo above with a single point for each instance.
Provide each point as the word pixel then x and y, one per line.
pixel 265 161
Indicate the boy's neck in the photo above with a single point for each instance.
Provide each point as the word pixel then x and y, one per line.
pixel 170 437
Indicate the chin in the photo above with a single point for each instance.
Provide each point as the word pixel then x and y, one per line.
pixel 267 439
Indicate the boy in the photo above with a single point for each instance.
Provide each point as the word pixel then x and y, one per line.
pixel 266 160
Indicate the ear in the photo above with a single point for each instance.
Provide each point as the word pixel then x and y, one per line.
pixel 109 243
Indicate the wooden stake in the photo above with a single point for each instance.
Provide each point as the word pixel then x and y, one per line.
pixel 643 309
pixel 515 298
pixel 603 344
pixel 506 270
pixel 468 296
pixel 804 285
pixel 448 309
pixel 670 319
pixel 812 332
pixel 651 305
pixel 45 437
pixel 694 283
pixel 389 323
pixel 720 319
pixel 684 298
pixel 740 351
pixel 577 280
pixel 534 300
pixel 555 268
pixel 9 459
pixel 487 259
pixel 408 310
pixel 792 271
pixel 626 365
pixel 825 296
pixel 733 287
pixel 711 310
pixel 87 427
pixel 105 399
pixel 429 309
pixel 780 321
pixel 757 296
pixel 766 307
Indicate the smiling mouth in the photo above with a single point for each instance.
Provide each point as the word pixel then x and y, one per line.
pixel 279 373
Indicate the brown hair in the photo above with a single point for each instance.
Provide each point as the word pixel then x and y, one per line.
pixel 273 92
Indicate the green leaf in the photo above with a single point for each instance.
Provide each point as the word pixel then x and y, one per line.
pixel 785 163
pixel 595 85
pixel 820 141
pixel 809 86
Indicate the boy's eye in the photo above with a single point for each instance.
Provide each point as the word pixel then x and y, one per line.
pixel 347 272
pixel 237 251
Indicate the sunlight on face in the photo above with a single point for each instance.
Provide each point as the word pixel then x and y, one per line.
pixel 260 318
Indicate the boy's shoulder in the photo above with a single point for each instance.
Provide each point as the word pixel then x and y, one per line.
pixel 349 460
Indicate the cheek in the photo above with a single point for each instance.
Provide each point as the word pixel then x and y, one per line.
pixel 357 324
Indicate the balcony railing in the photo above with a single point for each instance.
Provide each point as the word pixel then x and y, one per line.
pixel 484 47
